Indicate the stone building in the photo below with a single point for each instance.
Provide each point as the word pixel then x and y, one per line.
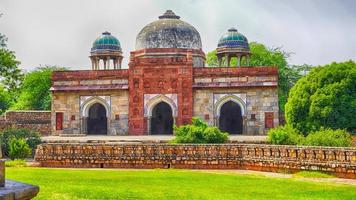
pixel 166 83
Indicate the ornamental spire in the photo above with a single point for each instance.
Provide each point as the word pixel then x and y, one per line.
pixel 169 14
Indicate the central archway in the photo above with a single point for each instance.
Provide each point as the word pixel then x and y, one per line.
pixel 161 122
pixel 97 120
pixel 230 119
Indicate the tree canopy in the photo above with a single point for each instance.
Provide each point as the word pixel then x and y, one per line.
pixel 263 56
pixel 326 97
pixel 34 91
pixel 10 75
pixel 4 100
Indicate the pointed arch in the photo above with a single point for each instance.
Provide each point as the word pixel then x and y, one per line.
pixel 160 98
pixel 227 98
pixel 91 101
pixel 161 120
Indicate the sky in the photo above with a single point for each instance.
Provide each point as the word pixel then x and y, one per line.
pixel 61 32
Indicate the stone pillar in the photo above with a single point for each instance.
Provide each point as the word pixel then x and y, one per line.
pixel 115 63
pixel 216 121
pixel 244 124
pixel 108 126
pixel 239 60
pixel 120 60
pixel 104 59
pixel 84 121
pixel 108 59
pixel 92 63
pixel 226 60
pixel 219 61
pixel 97 63
pixel 149 124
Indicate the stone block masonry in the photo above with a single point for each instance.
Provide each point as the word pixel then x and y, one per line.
pixel 34 120
pixel 275 158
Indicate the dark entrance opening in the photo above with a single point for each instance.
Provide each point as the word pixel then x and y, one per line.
pixel 230 118
pixel 97 121
pixel 162 119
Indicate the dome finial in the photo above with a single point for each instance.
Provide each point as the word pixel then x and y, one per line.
pixel 232 29
pixel 106 33
pixel 169 14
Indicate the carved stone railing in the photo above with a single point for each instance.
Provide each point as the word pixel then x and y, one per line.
pixel 339 161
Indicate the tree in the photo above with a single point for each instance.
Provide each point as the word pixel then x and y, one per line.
pixel 34 92
pixel 4 100
pixel 263 56
pixel 326 97
pixel 10 74
pixel 3 39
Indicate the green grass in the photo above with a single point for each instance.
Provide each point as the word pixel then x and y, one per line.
pixel 170 184
pixel 15 163
pixel 312 174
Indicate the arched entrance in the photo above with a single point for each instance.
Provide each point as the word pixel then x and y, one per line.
pixel 161 120
pixel 230 119
pixel 97 121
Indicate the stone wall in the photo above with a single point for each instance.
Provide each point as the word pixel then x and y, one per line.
pixel 69 104
pixel 339 161
pixel 258 102
pixel 39 121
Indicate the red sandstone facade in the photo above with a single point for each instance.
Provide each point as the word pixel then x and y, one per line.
pixel 159 76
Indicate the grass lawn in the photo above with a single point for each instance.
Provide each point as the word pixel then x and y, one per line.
pixel 170 184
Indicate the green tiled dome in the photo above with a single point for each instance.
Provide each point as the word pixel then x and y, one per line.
pixel 106 42
pixel 233 39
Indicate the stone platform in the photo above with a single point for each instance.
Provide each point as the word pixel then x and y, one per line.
pixel 12 190
pixel 257 139
pixel 18 191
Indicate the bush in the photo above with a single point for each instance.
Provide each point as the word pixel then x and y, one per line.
pixel 284 135
pixel 15 163
pixel 329 137
pixel 32 138
pixel 199 132
pixel 188 134
pixel 214 135
pixel 18 149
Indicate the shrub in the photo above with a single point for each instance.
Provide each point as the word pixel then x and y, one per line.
pixel 214 135
pixel 18 149
pixel 189 134
pixel 329 137
pixel 198 132
pixel 32 138
pixel 284 135
pixel 15 163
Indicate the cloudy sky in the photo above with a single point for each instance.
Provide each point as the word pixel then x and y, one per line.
pixel 61 32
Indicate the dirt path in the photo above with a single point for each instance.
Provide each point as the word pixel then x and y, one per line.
pixel 281 175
